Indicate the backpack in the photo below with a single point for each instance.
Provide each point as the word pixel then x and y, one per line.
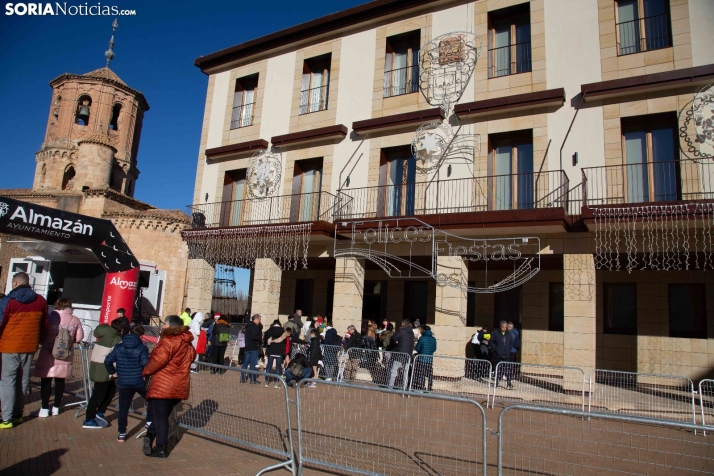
pixel 62 348
pixel 224 334
pixel 296 368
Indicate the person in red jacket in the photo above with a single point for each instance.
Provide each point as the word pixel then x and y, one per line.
pixel 170 370
pixel 22 316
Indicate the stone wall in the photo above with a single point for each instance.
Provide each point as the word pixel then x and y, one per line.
pixel 8 251
pixel 158 241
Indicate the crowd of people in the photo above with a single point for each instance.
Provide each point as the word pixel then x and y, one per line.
pixel 120 361
pixel 499 345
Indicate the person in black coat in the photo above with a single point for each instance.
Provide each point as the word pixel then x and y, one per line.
pixel 253 338
pixel 403 342
pixel 315 352
pixel 274 341
pixel 220 336
pixel 501 343
pixel 330 337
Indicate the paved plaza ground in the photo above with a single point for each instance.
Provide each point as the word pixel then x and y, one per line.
pixel 350 426
pixel 59 446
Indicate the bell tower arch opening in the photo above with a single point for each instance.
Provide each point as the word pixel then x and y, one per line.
pixel 68 178
pixel 84 105
pixel 114 122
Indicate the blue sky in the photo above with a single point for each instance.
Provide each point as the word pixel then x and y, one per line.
pixel 154 51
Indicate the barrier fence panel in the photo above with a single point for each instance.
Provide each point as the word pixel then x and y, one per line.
pixel 548 385
pixel 539 440
pixel 468 378
pixel 386 369
pixel 668 397
pixel 331 362
pixel 296 349
pixel 367 430
pixel 248 416
pixel 706 401
pixel 76 383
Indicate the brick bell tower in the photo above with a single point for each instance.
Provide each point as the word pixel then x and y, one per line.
pixel 93 133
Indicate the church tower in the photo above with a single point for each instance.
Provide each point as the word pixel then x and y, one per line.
pixel 93 133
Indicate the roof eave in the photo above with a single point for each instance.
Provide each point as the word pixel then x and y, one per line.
pixel 311 29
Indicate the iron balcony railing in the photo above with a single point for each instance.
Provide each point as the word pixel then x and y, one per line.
pixel 313 100
pixel 304 207
pixel 643 34
pixel 648 182
pixel 242 116
pixel 511 59
pixel 488 193
pixel 401 81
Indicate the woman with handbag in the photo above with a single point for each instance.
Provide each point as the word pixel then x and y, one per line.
pixel 170 381
pixel 62 330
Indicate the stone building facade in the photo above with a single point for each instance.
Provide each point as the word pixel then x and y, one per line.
pixel 559 97
pixel 87 164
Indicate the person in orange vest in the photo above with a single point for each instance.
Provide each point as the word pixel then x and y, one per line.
pixel 23 313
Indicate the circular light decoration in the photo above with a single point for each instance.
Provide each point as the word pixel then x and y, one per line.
pixel 429 144
pixel 446 64
pixel 693 125
pixel 703 111
pixel 264 172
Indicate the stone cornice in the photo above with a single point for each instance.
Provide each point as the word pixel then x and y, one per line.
pixel 118 197
pixel 119 85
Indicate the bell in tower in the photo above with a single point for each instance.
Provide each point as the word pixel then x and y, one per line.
pixel 83 112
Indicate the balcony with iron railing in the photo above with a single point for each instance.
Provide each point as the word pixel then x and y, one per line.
pixel 242 116
pixel 511 59
pixel 643 34
pixel 304 207
pixel 648 182
pixel 401 81
pixel 527 191
pixel 314 100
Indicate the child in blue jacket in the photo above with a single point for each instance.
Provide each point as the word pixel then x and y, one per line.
pixel 126 362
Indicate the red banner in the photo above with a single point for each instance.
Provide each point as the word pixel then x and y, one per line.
pixel 119 292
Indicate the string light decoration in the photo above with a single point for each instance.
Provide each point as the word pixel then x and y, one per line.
pixel 446 64
pixel 264 173
pixel 240 247
pixel 657 237
pixel 578 286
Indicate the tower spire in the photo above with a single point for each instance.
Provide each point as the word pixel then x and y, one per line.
pixel 109 54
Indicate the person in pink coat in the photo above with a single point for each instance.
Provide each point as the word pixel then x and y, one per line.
pixel 47 367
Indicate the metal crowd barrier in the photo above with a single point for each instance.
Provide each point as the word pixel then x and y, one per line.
pixel 542 384
pixel 331 361
pixel 666 397
pixel 248 416
pixel 80 387
pixel 706 401
pixel 296 349
pixel 470 378
pixel 385 369
pixel 88 326
pixel 541 440
pixel 369 430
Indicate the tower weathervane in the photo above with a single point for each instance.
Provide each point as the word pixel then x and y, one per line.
pixel 109 54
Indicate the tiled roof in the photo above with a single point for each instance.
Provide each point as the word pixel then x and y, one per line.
pixel 105 73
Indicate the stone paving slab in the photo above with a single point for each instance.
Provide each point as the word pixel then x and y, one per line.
pixel 60 446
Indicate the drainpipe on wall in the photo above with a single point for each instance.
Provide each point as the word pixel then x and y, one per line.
pixel 562 146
